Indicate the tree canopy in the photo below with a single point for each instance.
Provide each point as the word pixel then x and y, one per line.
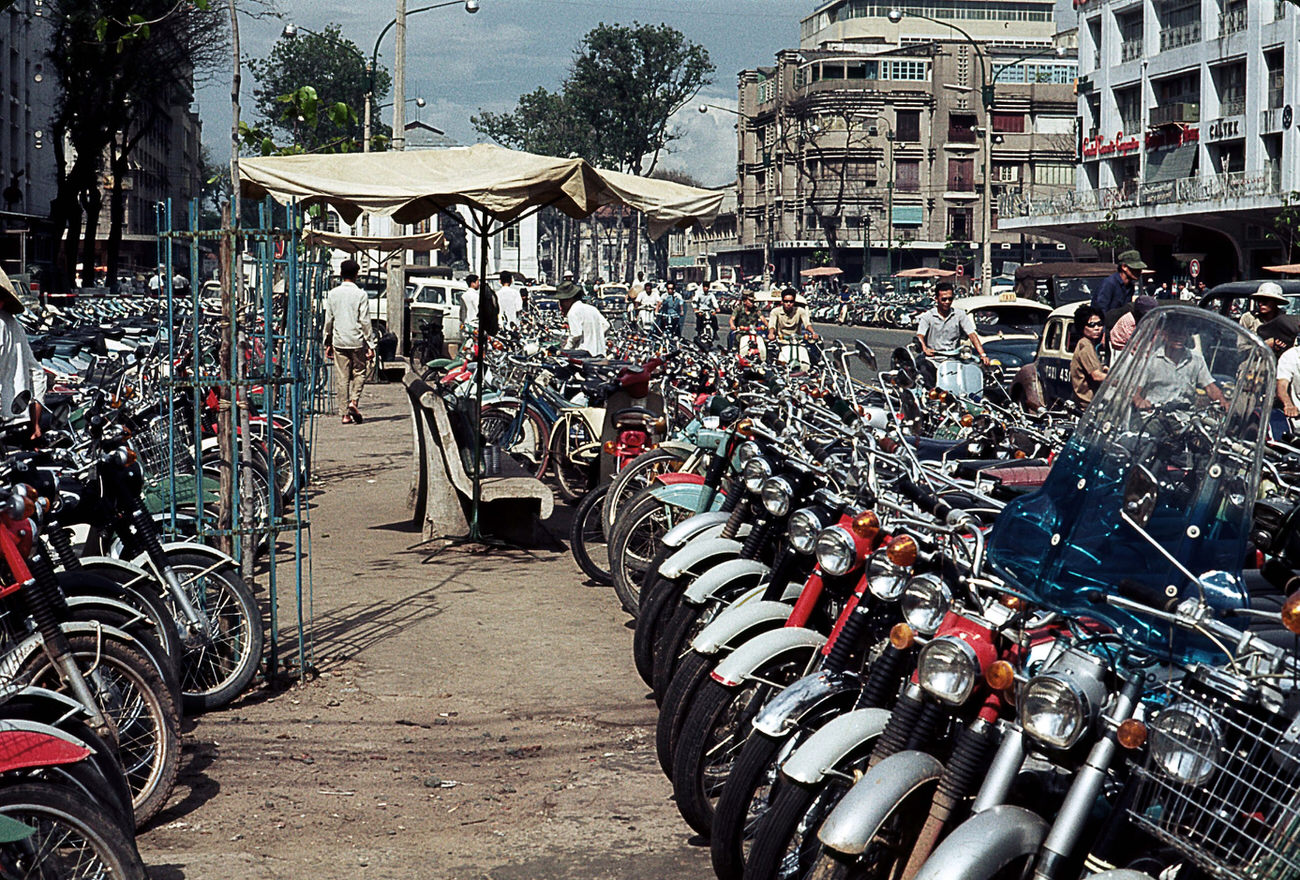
pixel 311 93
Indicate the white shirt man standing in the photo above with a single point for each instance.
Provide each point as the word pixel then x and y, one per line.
pixel 21 375
pixel 586 325
pixel 469 304
pixel 347 338
pixel 509 302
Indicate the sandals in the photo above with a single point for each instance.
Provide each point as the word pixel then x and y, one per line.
pixel 354 414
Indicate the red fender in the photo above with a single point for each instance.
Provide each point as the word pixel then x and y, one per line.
pixel 20 749
pixel 677 478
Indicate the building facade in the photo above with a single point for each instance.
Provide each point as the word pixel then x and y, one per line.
pixel 867 146
pixel 1188 137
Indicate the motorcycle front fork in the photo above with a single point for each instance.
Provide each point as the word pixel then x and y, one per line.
pixel 139 534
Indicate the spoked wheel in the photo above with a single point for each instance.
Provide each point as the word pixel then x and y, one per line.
pixel 526 443
pixel 587 539
pixel 637 537
pixel 572 475
pixel 134 697
pixel 71 836
pixel 635 476
pixel 216 670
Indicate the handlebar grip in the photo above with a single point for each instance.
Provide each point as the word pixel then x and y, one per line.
pixel 1146 594
pixel 923 498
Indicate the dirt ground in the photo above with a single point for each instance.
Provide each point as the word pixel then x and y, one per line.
pixel 476 714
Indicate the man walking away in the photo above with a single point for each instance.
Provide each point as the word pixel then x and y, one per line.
pixel 509 302
pixel 1117 290
pixel 347 332
pixel 586 325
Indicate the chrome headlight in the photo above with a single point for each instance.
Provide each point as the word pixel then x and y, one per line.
pixel 925 601
pixel 756 471
pixel 885 580
pixel 804 526
pixel 1185 743
pixel 948 669
pixel 13 504
pixel 777 494
pixel 1053 710
pixel 836 551
pixel 747 450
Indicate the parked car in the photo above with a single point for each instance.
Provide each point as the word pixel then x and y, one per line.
pixel 1046 379
pixel 1059 284
pixel 436 300
pixel 1233 298
pixel 1008 327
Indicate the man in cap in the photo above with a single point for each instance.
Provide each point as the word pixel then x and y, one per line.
pixel 1117 290
pixel 568 284
pixel 587 326
pixel 21 376
pixel 1122 332
pixel 1269 303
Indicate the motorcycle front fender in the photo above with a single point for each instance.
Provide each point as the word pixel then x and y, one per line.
pixel 1121 874
pixel 984 843
pixel 861 812
pixel 784 711
pixel 699 555
pixel 687 496
pixel 679 534
pixel 739 620
pixel 139 574
pixel 200 549
pixel 17 656
pixel 726 576
pixel 741 663
pixel 832 742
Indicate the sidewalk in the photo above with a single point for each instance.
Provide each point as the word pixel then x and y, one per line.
pixel 476 715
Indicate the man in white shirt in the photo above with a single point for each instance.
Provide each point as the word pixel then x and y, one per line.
pixel 648 303
pixel 156 280
pixel 1280 335
pixel 509 302
pixel 21 375
pixel 347 338
pixel 705 306
pixel 469 307
pixel 587 326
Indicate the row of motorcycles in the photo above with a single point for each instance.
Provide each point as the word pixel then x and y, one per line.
pixel 116 622
pixel 895 633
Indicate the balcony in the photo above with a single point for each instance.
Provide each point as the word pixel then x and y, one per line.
pixel 1232 106
pixel 1232 22
pixel 1180 35
pixel 1177 111
pixel 1270 121
pixel 1189 191
pixel 1130 50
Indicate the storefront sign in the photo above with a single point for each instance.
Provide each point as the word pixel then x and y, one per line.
pixel 1167 136
pixel 1121 144
pixel 1225 129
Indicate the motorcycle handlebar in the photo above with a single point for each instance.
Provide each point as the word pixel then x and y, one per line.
pixel 923 498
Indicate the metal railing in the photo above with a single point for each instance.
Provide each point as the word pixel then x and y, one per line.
pixel 1183 190
pixel 1270 120
pixel 1176 111
pixel 1180 35
pixel 1130 50
pixel 1233 21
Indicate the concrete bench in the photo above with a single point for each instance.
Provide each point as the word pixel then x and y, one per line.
pixel 441 491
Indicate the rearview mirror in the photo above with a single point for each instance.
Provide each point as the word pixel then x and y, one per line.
pixel 865 354
pixel 1140 493
pixel 903 359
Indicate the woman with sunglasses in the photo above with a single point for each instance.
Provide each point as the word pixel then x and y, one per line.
pixel 1088 367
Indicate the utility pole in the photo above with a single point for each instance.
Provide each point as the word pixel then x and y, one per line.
pixel 396 292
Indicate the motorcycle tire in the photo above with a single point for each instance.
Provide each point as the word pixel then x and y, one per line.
pixel 135 698
pixel 785 844
pixel 572 478
pixel 637 537
pixel 587 540
pixel 213 675
pixel 131 586
pixel 675 638
pixel 635 476
pixel 68 830
pixel 112 788
pixel 887 852
pixel 659 596
pixel 716 727
pixel 692 672
pixel 138 630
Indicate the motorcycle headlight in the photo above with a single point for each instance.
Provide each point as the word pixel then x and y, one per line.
pixel 836 551
pixel 14 504
pixel 886 580
pixel 803 529
pixel 1053 710
pixel 777 494
pixel 925 601
pixel 948 669
pixel 756 471
pixel 1185 743
pixel 749 449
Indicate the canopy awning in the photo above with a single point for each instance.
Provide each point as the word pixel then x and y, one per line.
pixel 821 272
pixel 926 272
pixel 1287 269
pixel 424 241
pixel 412 185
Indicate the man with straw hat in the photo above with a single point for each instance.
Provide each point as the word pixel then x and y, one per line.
pixel 22 378
pixel 1269 304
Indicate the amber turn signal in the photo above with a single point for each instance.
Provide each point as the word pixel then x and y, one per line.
pixel 1015 603
pixel 1131 733
pixel 902 551
pixel 611 447
pixel 934 394
pixel 901 636
pixel 1001 676
pixel 866 525
pixel 967 420
pixel 1291 613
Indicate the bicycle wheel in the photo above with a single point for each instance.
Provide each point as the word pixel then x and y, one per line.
pixel 527 444
pixel 573 477
pixel 72 836
pixel 634 477
pixel 634 543
pixel 587 539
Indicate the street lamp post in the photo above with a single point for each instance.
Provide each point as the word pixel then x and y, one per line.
pixel 767 209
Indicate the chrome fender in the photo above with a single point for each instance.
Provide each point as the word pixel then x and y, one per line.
pixel 697 552
pixel 132 614
pixel 737 619
pixel 15 657
pixel 984 843
pixel 687 529
pixel 859 814
pixel 832 742
pixel 741 663
pixel 138 573
pixel 196 547
pixel 1121 874
pixel 731 573
pixel 686 496
pixel 785 710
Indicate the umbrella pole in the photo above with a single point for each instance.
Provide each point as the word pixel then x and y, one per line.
pixel 475 534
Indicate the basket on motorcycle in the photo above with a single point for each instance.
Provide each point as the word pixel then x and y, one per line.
pixel 1221 781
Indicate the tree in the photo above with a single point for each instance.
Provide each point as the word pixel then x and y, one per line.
pixel 311 93
pixel 1110 236
pixel 121 65
pixel 830 143
pixel 1286 226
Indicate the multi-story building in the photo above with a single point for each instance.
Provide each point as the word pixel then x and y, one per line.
pixel 28 171
pixel 867 144
pixel 1188 138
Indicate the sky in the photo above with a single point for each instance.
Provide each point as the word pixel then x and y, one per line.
pixel 461 63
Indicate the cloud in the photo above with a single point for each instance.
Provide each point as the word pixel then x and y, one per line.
pixel 707 147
